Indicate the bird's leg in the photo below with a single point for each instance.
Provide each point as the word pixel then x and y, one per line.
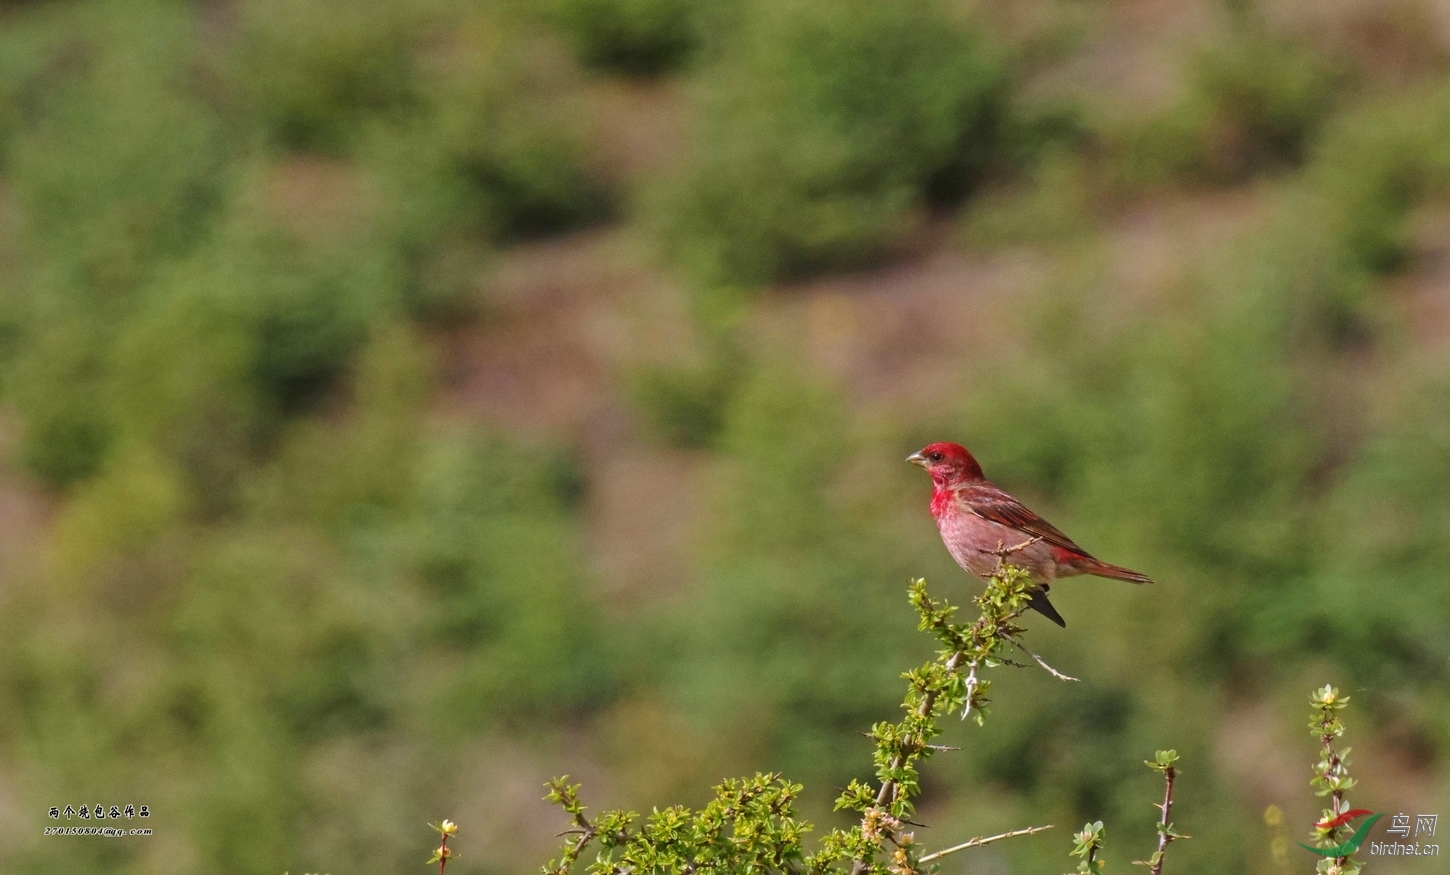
pixel 1002 552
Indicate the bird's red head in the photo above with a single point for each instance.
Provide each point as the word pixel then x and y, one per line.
pixel 948 464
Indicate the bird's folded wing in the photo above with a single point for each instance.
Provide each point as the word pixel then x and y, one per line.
pixel 993 504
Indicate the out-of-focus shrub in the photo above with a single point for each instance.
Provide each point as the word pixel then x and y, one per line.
pixel 179 382
pixel 1374 165
pixel 38 52
pixel 1347 223
pixel 379 595
pixel 311 76
pixel 1393 490
pixel 635 37
pixel 119 161
pixel 139 237
pixel 685 404
pixel 51 379
pixel 501 157
pixel 824 130
pixel 216 352
pixel 1051 204
pixel 494 154
pixel 788 566
pixel 1255 102
pixel 118 167
pixel 307 314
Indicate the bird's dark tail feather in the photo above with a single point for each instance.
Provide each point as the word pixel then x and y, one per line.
pixel 1041 605
pixel 1118 572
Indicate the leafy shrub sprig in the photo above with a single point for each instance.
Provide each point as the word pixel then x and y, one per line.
pixel 751 824
pixel 1331 778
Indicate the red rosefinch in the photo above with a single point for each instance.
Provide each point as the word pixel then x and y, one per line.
pixel 976 520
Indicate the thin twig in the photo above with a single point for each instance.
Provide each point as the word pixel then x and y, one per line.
pixel 584 839
pixel 979 841
pixel 980 643
pixel 1037 659
pixel 584 829
pixel 1336 804
pixel 1164 834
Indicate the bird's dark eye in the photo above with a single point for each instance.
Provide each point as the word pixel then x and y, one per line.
pixel 935 457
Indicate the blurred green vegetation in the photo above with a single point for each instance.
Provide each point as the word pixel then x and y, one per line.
pixel 825 129
pixel 634 37
pixel 283 595
pixel 1254 103
pixel 309 78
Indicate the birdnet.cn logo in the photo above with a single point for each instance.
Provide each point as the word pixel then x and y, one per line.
pixel 1424 825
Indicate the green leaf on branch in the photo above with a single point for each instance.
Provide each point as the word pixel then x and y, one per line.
pixel 1162 761
pixel 1087 844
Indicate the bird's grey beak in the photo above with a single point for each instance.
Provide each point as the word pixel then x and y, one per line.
pixel 917 459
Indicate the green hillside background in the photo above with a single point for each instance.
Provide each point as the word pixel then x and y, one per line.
pixel 403 402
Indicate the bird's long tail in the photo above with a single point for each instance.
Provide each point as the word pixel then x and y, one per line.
pixel 1117 572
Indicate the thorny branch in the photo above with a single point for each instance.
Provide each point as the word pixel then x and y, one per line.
pixel 1331 774
pixel 1163 763
pixel 442 854
pixel 977 646
pixel 979 841
pixel 1164 834
pixel 1037 659
pixel 928 701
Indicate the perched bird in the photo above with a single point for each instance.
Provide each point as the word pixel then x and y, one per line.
pixel 977 520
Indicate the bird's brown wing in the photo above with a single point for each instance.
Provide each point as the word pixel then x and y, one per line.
pixel 991 503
